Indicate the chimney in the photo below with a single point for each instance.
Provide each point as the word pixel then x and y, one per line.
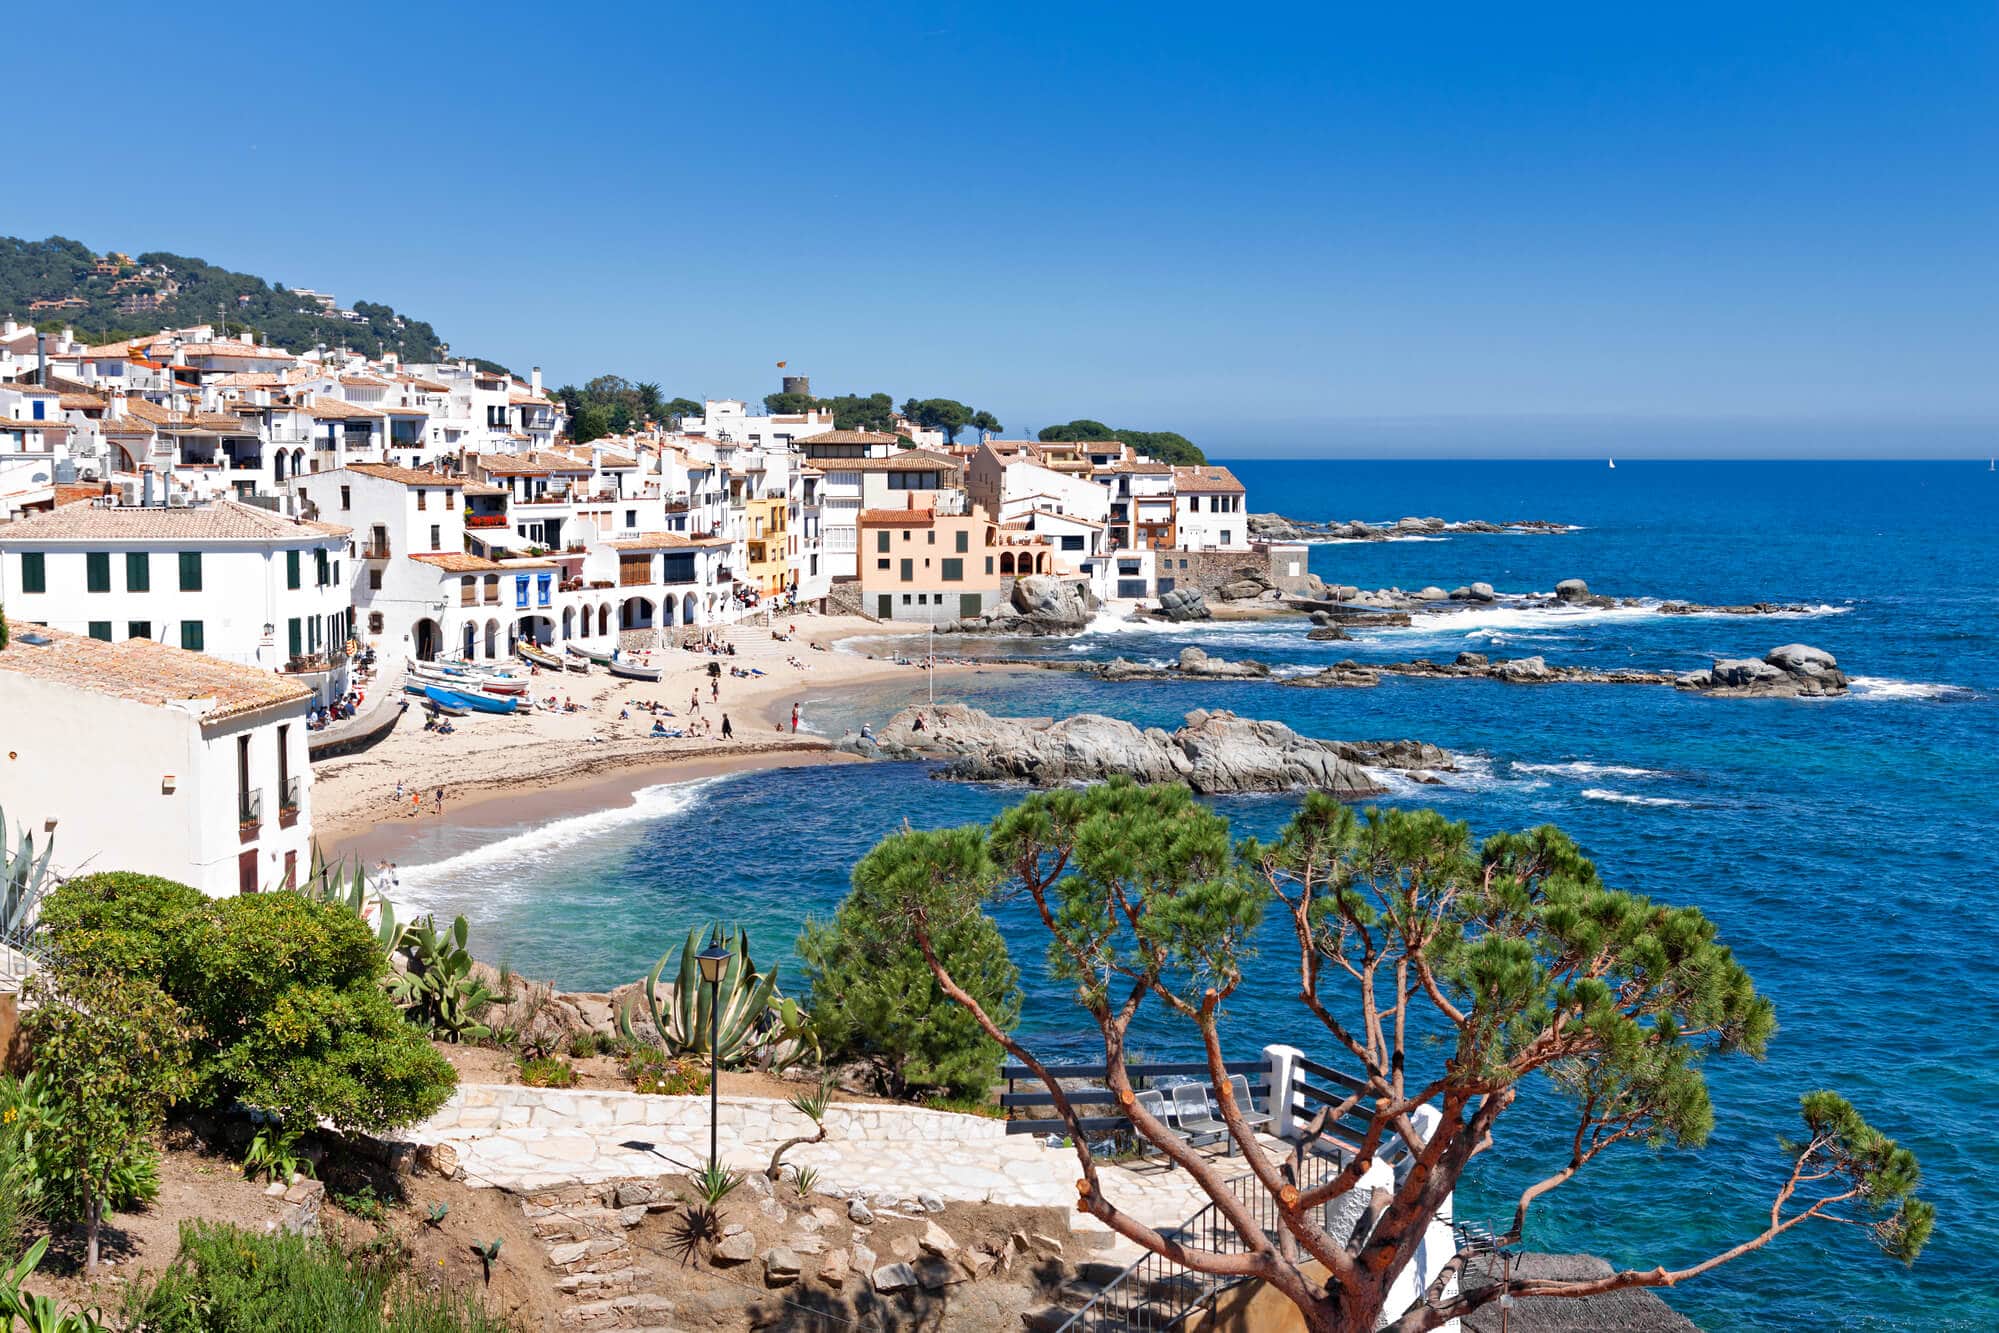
pixel 8 328
pixel 146 495
pixel 534 381
pixel 114 407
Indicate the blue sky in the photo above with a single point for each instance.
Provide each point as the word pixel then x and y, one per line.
pixel 1727 228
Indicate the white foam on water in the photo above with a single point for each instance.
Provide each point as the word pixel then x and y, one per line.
pixel 1627 798
pixel 1882 687
pixel 520 855
pixel 1582 768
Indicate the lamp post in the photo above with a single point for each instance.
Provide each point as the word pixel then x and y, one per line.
pixel 713 959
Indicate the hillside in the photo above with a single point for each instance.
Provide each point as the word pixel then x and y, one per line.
pixel 60 283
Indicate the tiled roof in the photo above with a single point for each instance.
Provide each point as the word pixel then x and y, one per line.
pixel 909 460
pixel 850 437
pixel 147 410
pixel 665 541
pixel 530 464
pixel 408 476
pixel 146 672
pixel 224 520
pixel 22 427
pixel 459 562
pixel 31 390
pixel 1206 481
pixel 479 488
pixel 332 409
pixel 897 518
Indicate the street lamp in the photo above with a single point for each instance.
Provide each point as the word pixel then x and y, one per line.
pixel 713 959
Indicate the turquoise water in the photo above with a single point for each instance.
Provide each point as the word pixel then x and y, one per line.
pixel 1844 846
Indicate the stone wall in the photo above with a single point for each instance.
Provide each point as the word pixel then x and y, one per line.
pixel 1207 570
pixel 746 1120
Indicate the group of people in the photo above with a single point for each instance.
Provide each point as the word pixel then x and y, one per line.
pixel 322 716
pixel 412 795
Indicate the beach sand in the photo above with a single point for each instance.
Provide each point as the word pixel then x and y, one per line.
pixel 538 765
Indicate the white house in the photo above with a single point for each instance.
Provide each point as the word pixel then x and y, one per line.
pixel 231 580
pixel 138 756
pixel 1208 510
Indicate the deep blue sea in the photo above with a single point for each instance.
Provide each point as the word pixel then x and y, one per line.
pixel 1845 847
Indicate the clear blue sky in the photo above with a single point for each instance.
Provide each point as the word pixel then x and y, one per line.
pixel 1476 226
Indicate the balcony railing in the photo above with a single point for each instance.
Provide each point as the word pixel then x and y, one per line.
pixel 249 814
pixel 485 520
pixel 288 802
pixel 305 663
pixel 375 551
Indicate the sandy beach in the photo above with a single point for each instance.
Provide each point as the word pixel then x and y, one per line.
pixel 537 764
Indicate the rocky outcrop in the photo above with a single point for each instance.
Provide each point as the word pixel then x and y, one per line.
pixel 1794 671
pixel 1477 666
pixel 1038 604
pixel 1740 609
pixel 1184 604
pixel 1278 528
pixel 1193 664
pixel 1212 752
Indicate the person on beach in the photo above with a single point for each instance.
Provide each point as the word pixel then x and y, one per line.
pixel 694 701
pixel 794 719
pixel 728 732
pixel 440 800
pixel 416 801
pixel 715 689
pixel 399 790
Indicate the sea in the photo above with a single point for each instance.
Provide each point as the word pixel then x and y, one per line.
pixel 1845 847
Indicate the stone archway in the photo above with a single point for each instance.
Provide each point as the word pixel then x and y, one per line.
pixel 636 613
pixel 603 618
pixel 471 640
pixel 1006 562
pixel 427 638
pixel 492 639
pixel 278 462
pixel 569 622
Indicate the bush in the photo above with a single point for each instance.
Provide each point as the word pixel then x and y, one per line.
pixel 545 1071
pixel 285 994
pixel 654 1071
pixel 228 1280
pixel 874 997
pixel 17 1167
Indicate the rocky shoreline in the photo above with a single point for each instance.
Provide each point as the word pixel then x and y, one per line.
pixel 1794 671
pixel 1278 528
pixel 1212 752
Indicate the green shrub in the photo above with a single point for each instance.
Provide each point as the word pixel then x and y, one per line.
pixel 545 1071
pixel 228 1280
pixel 18 1179
pixel 285 994
pixel 875 999
pixel 654 1071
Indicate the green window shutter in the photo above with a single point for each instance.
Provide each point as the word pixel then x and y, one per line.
pixel 190 571
pixel 191 636
pixel 989 564
pixel 97 571
pixel 291 569
pixel 296 648
pixel 964 541
pixel 320 569
pixel 101 629
pixel 954 570
pixel 138 629
pixel 881 541
pixel 138 572
pixel 908 571
pixel 34 572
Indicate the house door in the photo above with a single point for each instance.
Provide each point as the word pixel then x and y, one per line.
pixel 968 604
pixel 884 606
pixel 246 871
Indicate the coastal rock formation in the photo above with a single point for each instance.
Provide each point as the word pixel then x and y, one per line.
pixel 1513 671
pixel 1193 664
pixel 1184 604
pixel 1278 528
pixel 1572 591
pixel 1740 609
pixel 1212 752
pixel 1038 604
pixel 1793 671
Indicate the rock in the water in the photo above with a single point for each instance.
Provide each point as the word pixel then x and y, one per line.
pixel 1523 670
pixel 1211 752
pixel 1481 592
pixel 1794 671
pixel 1192 664
pixel 1572 590
pixel 1044 597
pixel 1801 659
pixel 1184 604
pixel 1433 594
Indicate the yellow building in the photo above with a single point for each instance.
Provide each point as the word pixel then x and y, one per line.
pixel 764 564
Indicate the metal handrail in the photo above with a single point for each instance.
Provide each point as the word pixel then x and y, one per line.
pixel 1159 1293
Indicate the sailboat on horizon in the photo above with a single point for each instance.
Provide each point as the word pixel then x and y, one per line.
pixel 1613 465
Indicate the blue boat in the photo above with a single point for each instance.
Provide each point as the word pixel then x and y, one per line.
pixel 476 703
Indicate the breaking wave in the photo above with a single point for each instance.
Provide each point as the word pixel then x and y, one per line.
pixel 1628 798
pixel 1881 687
pixel 1582 768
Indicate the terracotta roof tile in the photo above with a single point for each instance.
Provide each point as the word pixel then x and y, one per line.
pixel 408 476
pixel 224 520
pixel 146 672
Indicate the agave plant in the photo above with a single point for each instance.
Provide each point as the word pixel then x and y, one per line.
pixel 437 989
pixel 24 878
pixel 332 882
pixel 736 1012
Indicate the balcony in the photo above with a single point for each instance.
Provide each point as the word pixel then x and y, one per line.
pixel 288 802
pixel 306 664
pixel 376 550
pixel 485 520
pixel 249 815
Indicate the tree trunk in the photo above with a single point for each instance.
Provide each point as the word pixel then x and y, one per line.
pixel 93 1210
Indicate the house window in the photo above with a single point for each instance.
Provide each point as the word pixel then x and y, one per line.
pixel 97 571
pixel 375 578
pixel 436 537
pixel 954 570
pixel 321 568
pixel 297 628
pixel 1225 536
pixel 191 637
pixel 138 572
pixel 346 497
pixel 422 498
pixel 34 573
pixel 138 629
pixel 909 571
pixel 964 541
pixel 190 571
pixel 374 622
pixel 1071 543
pixel 101 629
pixel 631 518
pixel 881 540
pixel 882 563
pixel 931 536
pixel 989 564
pixel 291 569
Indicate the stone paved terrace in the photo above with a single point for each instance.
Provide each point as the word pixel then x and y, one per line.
pixel 521 1138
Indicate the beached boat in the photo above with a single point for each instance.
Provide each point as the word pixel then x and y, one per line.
pixel 580 665
pixel 478 703
pixel 634 671
pixel 546 661
pixel 494 685
pixel 598 655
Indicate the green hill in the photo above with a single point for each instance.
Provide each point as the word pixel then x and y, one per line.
pixel 157 290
